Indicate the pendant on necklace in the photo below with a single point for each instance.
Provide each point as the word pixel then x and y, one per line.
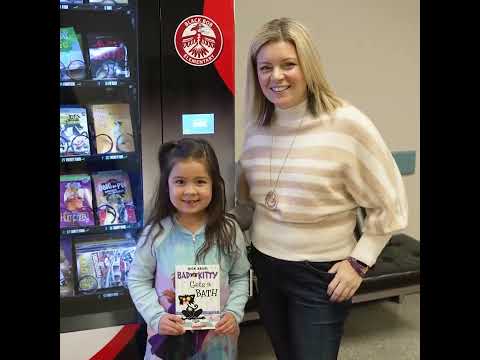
pixel 271 200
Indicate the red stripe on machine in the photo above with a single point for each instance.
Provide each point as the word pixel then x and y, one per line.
pixel 222 13
pixel 117 344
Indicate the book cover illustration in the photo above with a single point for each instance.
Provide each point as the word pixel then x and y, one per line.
pixel 74 138
pixel 113 128
pixel 76 201
pixel 72 62
pixel 108 57
pixel 197 295
pixel 66 278
pixel 114 198
pixel 104 264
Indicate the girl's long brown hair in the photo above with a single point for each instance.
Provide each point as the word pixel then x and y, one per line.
pixel 220 227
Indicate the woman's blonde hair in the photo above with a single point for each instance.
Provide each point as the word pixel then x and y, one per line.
pixel 320 97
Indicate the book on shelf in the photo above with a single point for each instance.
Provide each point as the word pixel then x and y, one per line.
pixel 108 57
pixel 113 128
pixel 66 276
pixel 104 263
pixel 72 62
pixel 76 201
pixel 114 201
pixel 197 295
pixel 74 136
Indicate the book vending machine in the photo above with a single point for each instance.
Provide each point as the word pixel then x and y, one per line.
pixel 101 191
pixel 167 66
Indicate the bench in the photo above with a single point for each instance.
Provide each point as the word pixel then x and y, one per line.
pixel 395 274
pixel 397 270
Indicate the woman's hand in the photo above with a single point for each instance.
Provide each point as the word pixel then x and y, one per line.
pixel 227 325
pixel 345 283
pixel 170 325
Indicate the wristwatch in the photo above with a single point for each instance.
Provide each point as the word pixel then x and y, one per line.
pixel 358 266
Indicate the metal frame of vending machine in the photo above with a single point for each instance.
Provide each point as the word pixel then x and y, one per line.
pixel 198 43
pixel 174 91
pixel 101 188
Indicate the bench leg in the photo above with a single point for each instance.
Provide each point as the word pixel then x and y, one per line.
pixel 398 299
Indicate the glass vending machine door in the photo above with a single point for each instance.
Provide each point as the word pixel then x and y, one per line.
pixel 101 196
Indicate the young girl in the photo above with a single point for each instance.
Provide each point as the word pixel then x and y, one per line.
pixel 189 225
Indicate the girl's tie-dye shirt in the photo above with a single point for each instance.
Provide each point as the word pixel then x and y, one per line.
pixel 176 245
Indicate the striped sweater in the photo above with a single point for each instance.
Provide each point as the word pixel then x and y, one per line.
pixel 337 163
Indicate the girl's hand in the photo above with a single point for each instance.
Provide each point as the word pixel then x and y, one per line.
pixel 345 283
pixel 171 325
pixel 227 325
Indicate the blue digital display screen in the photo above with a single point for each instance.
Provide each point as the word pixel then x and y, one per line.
pixel 193 124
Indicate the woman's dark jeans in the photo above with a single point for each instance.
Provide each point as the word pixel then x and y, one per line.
pixel 295 309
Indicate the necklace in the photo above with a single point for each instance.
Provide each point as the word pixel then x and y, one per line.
pixel 271 199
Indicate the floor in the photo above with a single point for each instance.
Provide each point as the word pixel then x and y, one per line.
pixel 376 330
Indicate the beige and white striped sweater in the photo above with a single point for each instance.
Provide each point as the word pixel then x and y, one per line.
pixel 337 163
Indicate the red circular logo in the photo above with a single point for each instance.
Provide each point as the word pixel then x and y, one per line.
pixel 198 40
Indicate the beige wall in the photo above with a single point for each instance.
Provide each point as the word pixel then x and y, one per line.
pixel 370 53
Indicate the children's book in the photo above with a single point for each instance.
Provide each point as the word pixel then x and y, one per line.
pixel 108 57
pixel 113 128
pixel 74 139
pixel 114 197
pixel 197 295
pixel 72 62
pixel 104 263
pixel 76 201
pixel 66 278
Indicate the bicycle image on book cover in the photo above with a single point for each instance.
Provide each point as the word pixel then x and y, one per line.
pixel 74 139
pixel 114 198
pixel 103 264
pixel 113 128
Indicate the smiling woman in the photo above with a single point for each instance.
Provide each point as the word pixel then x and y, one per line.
pixel 280 75
pixel 310 160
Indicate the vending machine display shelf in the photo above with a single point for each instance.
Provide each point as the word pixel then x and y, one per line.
pixel 95 158
pixel 98 83
pixel 102 229
pixel 102 7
